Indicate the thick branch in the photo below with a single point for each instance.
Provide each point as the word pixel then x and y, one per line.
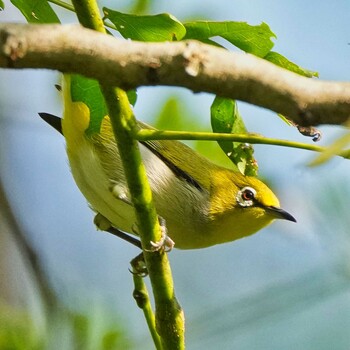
pixel 188 64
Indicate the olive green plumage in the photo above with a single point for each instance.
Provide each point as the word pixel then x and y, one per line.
pixel 203 204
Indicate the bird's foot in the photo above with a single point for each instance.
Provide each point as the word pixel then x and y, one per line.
pixel 138 266
pixel 104 224
pixel 165 243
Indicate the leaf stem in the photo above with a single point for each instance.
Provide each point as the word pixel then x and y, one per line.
pixel 63 4
pixel 146 134
pixel 70 7
pixel 88 14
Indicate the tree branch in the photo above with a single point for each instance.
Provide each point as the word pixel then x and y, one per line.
pixel 189 64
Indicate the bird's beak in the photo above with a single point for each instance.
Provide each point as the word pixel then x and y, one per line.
pixel 279 213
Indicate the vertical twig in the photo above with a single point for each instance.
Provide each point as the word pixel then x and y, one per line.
pixel 141 297
pixel 169 315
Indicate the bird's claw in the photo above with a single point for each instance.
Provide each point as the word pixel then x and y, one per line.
pixel 138 265
pixel 165 243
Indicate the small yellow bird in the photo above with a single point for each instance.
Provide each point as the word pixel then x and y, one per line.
pixel 203 204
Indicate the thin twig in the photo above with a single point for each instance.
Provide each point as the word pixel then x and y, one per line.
pixel 146 134
pixel 69 7
pixel 169 315
pixel 141 297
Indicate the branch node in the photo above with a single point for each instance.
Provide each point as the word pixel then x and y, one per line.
pixel 193 59
pixel 140 298
pixel 310 131
pixel 152 71
pixel 14 47
pixel 152 76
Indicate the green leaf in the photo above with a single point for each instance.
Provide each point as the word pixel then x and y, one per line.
pixel 88 91
pixel 253 39
pixel 337 147
pixel 162 27
pixel 132 96
pixel 169 116
pixel 2 5
pixel 281 61
pixel 141 6
pixel 225 118
pixel 81 326
pixel 36 11
pixel 173 116
pixel 286 120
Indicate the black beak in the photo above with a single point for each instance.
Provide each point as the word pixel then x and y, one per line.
pixel 279 213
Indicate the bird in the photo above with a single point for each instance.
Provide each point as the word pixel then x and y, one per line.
pixel 201 203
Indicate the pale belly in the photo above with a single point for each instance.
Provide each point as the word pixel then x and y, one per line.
pixel 171 202
pixel 92 181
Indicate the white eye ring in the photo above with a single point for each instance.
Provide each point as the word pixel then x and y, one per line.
pixel 245 197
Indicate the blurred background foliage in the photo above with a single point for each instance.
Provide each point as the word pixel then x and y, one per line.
pixel 287 287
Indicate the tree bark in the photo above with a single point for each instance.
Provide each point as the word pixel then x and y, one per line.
pixel 189 64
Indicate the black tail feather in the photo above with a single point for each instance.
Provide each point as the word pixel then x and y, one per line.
pixel 54 121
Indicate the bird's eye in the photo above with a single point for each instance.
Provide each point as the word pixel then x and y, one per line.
pixel 245 197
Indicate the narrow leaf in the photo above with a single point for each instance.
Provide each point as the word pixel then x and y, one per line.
pixel 225 118
pixel 141 6
pixel 36 11
pixel 337 147
pixel 170 116
pixel 175 116
pixel 162 27
pixel 89 92
pixel 281 61
pixel 132 96
pixel 253 39
pixel 286 120
pixel 2 5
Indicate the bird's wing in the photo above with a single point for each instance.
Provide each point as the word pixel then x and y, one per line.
pixel 181 159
